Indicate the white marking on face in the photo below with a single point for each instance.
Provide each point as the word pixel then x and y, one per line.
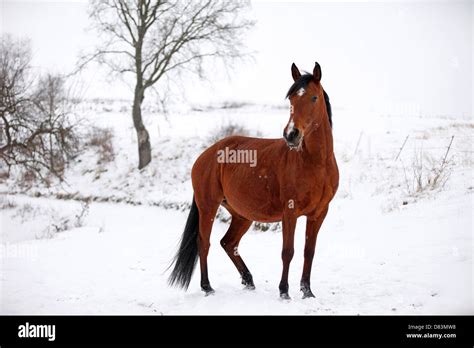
pixel 301 91
pixel 290 127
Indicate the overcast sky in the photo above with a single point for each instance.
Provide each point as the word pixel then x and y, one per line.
pixel 391 55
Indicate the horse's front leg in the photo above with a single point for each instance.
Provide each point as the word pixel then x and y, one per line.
pixel 312 228
pixel 289 224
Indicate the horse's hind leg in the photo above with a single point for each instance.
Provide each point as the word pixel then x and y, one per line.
pixel 230 243
pixel 207 213
pixel 208 196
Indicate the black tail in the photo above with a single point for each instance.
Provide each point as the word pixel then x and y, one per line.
pixel 187 255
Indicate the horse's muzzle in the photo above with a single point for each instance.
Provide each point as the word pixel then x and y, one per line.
pixel 293 138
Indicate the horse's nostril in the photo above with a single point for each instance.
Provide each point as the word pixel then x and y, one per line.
pixel 292 135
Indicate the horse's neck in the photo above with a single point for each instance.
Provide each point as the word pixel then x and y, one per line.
pixel 319 143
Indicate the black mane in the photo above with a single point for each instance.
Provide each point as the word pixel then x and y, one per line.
pixel 303 82
pixel 328 107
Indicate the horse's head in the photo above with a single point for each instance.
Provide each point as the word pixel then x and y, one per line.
pixel 307 106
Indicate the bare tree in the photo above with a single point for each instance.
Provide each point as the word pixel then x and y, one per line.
pixel 36 132
pixel 151 38
pixel 53 107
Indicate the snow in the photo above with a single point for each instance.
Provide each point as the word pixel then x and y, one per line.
pixel 382 249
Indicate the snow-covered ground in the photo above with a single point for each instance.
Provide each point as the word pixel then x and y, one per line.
pixel 384 247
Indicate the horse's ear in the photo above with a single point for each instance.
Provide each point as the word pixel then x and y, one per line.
pixel 317 72
pixel 295 72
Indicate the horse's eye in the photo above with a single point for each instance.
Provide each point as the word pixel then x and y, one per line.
pixel 314 98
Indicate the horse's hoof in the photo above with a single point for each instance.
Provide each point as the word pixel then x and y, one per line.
pixel 207 290
pixel 249 287
pixel 285 296
pixel 306 289
pixel 247 280
pixel 307 294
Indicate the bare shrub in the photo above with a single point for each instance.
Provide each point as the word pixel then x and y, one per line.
pixel 81 215
pixel 102 140
pixel 228 129
pixel 233 105
pixel 49 220
pixel 65 223
pixel 26 212
pixel 427 173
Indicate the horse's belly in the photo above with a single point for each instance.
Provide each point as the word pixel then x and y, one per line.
pixel 253 211
pixel 254 195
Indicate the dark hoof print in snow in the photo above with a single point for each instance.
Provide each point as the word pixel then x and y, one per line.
pixel 285 296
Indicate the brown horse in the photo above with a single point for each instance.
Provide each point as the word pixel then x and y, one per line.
pixel 288 178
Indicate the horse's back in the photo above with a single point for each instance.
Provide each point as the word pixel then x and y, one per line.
pixel 240 182
pixel 241 141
